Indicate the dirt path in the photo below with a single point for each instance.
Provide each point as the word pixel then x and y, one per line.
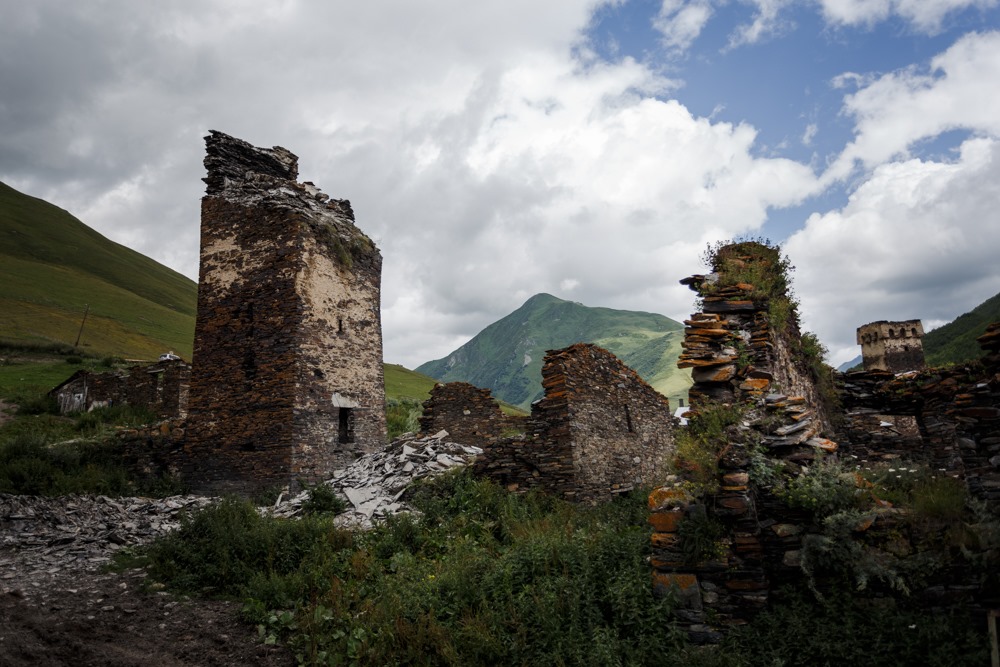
pixel 57 606
pixel 95 619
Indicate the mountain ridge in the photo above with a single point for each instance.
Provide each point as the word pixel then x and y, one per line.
pixel 506 356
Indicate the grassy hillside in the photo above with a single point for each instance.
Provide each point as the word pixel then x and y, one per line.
pixel 956 342
pixel 52 266
pixel 403 383
pixel 507 356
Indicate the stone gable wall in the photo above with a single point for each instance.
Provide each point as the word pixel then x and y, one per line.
pixel 287 382
pixel 600 430
pixel 468 413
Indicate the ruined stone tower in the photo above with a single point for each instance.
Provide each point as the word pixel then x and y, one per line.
pixel 287 382
pixel 892 346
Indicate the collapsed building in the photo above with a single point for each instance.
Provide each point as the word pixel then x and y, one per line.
pixel 287 382
pixel 161 388
pixel 600 430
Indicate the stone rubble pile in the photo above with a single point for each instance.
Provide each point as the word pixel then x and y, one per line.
pixel 375 483
pixel 40 537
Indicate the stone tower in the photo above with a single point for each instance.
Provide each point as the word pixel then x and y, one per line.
pixel 892 346
pixel 287 382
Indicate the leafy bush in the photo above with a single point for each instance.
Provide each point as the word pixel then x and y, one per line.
pixel 824 489
pixel 31 466
pixel 402 416
pixel 111 416
pixel 35 403
pixel 323 500
pixel 480 576
pixel 229 548
pixel 699 536
pixel 842 630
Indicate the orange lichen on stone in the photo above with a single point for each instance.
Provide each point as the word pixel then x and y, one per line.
pixel 666 522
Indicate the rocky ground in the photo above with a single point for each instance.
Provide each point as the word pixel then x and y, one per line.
pixel 59 605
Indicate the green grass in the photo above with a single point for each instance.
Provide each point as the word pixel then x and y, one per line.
pixel 484 577
pixel 956 342
pixel 52 265
pixel 26 378
pixel 403 383
pixel 480 577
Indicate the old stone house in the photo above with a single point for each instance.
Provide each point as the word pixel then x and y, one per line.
pixel 162 388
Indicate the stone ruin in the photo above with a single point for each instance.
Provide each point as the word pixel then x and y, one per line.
pixel 468 413
pixel 162 388
pixel 738 357
pixel 287 381
pixel 892 346
pixel 600 430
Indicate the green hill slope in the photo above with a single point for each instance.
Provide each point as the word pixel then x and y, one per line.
pixel 506 356
pixel 956 342
pixel 52 266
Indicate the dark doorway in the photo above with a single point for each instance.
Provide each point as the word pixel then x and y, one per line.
pixel 345 426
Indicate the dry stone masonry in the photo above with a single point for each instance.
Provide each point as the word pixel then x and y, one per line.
pixel 161 387
pixel 945 419
pixel 287 380
pixel 469 414
pixel 894 347
pixel 600 430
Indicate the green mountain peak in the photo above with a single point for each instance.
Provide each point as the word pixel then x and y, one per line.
pixel 506 357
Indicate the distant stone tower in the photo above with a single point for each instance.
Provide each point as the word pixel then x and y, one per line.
pixel 287 381
pixel 892 346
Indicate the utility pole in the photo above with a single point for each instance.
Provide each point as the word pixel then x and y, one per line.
pixel 85 311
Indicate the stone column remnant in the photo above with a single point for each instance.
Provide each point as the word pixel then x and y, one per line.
pixel 287 382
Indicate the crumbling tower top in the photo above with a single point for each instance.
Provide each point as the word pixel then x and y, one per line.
pixel 229 160
pixel 894 347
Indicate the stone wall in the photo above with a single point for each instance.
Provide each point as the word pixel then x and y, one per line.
pixel 600 430
pixel 892 346
pixel 738 357
pixel 287 382
pixel 161 388
pixel 468 413
pixel 948 419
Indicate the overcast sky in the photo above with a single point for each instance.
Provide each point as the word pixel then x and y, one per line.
pixel 495 150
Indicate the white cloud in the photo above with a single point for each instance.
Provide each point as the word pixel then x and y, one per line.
pixel 681 21
pixel 961 91
pixel 916 240
pixel 923 15
pixel 809 134
pixel 487 160
pixel 766 22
